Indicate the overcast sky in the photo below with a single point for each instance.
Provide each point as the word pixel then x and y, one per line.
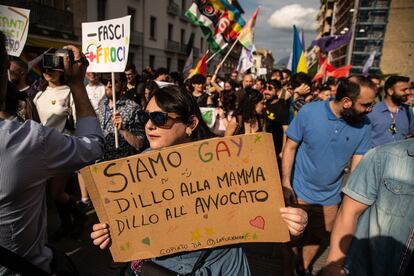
pixel 275 20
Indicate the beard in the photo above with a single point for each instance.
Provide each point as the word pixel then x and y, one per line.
pixel 353 117
pixel 398 100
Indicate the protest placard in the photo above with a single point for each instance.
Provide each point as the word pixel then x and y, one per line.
pixel 197 195
pixel 106 44
pixel 14 23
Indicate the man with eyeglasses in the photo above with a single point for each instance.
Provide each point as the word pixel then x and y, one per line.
pixel 391 119
pixel 321 140
pixel 129 119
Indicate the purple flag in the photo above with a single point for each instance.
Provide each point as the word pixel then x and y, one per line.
pixel 329 43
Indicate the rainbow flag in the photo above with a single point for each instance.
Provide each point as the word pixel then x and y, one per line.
pixel 201 67
pixel 219 20
pixel 247 34
pixel 298 57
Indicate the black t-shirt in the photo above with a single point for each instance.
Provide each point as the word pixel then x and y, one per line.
pixel 276 115
pixel 201 100
pixel 133 95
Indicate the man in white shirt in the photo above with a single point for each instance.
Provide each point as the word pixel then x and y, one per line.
pixel 95 89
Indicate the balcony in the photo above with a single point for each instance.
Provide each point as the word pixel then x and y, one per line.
pixel 372 20
pixel 183 17
pixel 173 8
pixel 137 38
pixel 172 46
pixel 45 16
pixel 374 5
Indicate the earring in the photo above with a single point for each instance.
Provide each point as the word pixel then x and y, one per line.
pixel 188 131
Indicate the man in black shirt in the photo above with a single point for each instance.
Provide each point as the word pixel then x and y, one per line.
pixel 276 113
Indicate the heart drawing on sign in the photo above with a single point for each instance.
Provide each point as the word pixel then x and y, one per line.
pixel 258 222
pixel 146 241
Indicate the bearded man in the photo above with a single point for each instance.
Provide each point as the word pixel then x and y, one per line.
pixel 322 139
pixel 391 119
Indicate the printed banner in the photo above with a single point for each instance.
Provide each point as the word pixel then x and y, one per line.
pixel 198 195
pixel 209 115
pixel 106 44
pixel 14 23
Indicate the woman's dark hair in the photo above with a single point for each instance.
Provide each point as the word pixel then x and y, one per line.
pixel 228 101
pixel 232 83
pixel 300 78
pixel 247 108
pixel 198 79
pixel 175 99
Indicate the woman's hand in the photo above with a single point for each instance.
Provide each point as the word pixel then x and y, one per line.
pixel 296 220
pixel 100 235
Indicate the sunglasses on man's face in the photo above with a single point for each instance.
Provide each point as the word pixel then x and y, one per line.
pixel 269 87
pixel 159 118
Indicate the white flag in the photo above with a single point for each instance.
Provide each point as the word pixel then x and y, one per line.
pixel 368 63
pixel 188 63
pixel 246 60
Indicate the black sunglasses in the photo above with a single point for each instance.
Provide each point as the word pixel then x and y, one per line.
pixel 269 87
pixel 159 118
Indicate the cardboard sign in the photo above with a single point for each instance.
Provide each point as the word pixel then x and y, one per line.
pixel 209 115
pixel 197 195
pixel 14 23
pixel 106 44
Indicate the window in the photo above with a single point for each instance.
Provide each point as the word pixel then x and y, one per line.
pixel 170 31
pixel 152 61
pixel 183 5
pixel 201 44
pixel 168 64
pixel 182 37
pixel 153 27
pixel 101 10
pixel 131 57
pixel 132 12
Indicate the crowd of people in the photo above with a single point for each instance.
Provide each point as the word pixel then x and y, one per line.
pixel 321 131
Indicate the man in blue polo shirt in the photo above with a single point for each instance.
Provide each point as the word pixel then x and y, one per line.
pixel 322 139
pixel 391 120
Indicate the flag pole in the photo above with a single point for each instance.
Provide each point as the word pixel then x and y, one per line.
pixel 114 108
pixel 225 57
pixel 212 56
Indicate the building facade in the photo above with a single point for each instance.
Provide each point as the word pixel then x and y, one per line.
pixel 324 18
pixel 367 20
pixel 159 29
pixel 398 49
pixel 263 61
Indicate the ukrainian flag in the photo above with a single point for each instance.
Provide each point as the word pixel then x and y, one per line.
pixel 298 57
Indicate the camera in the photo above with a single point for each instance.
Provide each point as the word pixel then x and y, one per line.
pixel 54 61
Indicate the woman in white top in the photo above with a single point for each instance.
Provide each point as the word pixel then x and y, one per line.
pixel 54 102
pixel 55 106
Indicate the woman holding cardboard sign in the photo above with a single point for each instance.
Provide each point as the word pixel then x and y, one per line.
pixel 174 118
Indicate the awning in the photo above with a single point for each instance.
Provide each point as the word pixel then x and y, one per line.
pixel 48 42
